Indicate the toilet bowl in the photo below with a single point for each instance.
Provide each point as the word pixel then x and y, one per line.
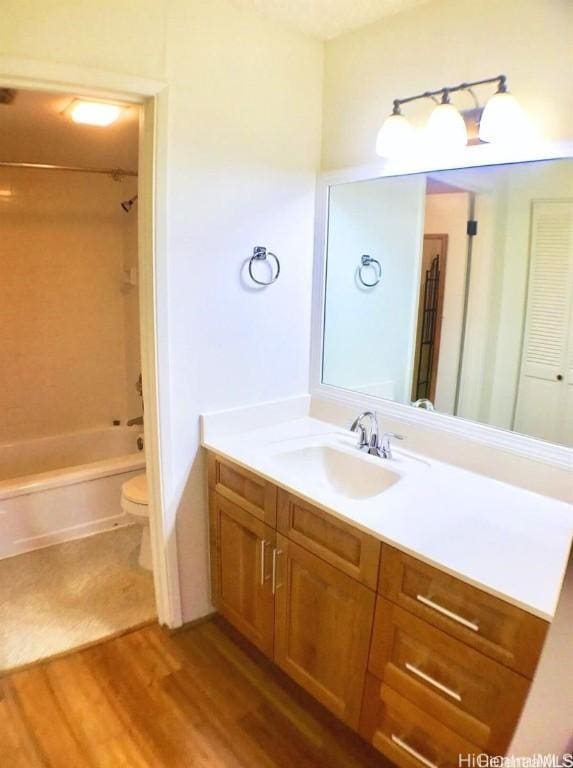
pixel 134 501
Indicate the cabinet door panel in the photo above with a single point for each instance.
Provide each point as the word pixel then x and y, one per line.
pixel 241 553
pixel 323 625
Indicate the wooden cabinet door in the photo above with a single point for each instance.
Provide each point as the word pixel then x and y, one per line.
pixel 323 621
pixel 241 561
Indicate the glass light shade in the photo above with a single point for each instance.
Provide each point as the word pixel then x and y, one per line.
pixel 395 137
pixel 446 129
pixel 503 119
pixel 94 112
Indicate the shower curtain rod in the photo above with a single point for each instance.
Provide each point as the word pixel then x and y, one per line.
pixel 115 173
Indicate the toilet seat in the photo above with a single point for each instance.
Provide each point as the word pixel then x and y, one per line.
pixel 134 498
pixel 136 489
pixel 134 501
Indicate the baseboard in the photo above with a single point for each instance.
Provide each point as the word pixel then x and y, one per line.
pixel 31 544
pixel 190 624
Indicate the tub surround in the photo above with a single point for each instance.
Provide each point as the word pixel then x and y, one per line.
pixel 72 370
pixel 487 533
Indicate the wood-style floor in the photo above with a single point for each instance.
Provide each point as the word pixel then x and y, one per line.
pixel 201 697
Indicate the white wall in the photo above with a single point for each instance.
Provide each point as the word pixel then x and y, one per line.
pixel 369 331
pixel 444 42
pixel 244 102
pixel 243 141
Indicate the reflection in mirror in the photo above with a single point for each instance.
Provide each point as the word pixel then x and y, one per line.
pixel 454 290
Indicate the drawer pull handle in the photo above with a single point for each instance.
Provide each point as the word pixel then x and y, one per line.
pixel 411 751
pixel 276 553
pixel 263 545
pixel 440 686
pixel 450 614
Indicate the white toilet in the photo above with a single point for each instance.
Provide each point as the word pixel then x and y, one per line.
pixel 134 501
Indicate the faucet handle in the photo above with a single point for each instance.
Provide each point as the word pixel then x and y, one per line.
pixel 385 443
pixel 395 435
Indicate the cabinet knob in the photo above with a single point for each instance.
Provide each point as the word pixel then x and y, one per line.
pixel 559 377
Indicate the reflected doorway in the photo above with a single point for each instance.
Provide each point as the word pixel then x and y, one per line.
pixel 430 313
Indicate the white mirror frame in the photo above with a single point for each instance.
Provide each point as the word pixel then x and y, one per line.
pixel 486 154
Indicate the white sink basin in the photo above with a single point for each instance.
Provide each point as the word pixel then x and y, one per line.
pixel 350 476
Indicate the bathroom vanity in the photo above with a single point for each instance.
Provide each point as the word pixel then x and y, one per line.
pixel 403 594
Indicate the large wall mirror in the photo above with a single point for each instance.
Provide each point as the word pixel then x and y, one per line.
pixel 453 290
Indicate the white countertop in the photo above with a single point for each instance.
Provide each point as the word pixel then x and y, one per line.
pixel 504 540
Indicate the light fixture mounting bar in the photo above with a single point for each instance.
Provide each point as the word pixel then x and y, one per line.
pixel 501 80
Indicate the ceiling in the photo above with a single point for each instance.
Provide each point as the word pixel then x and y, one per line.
pixel 33 129
pixel 326 19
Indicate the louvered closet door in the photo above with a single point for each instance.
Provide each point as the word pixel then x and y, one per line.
pixel 545 396
pixel 567 422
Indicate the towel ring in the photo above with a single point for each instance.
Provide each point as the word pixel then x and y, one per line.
pixel 368 261
pixel 260 253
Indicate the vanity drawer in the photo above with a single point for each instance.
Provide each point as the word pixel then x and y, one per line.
pixel 338 543
pixel 475 696
pixel 405 734
pixel 492 626
pixel 245 489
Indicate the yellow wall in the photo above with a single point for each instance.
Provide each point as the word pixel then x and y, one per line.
pixel 446 42
pixel 124 36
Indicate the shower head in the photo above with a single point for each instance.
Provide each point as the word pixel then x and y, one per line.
pixel 127 205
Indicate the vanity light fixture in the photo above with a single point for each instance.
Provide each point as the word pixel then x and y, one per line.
pixel 502 119
pixel 446 128
pixel 99 113
pixel 396 135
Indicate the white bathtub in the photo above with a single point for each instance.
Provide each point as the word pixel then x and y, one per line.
pixel 59 488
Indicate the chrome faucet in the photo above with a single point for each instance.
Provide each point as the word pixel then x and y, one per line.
pixel 366 443
pixel 374 445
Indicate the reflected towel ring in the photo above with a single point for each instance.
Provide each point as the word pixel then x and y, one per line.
pixel 260 253
pixel 368 261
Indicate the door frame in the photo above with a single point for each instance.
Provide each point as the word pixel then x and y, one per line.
pixel 151 96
